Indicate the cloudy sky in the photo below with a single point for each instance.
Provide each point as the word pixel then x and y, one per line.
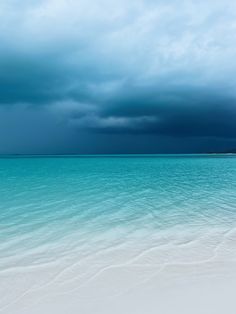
pixel 104 76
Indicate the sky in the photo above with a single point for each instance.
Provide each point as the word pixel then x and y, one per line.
pixel 104 76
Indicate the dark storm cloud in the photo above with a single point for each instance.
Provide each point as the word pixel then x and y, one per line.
pixel 190 113
pixel 80 71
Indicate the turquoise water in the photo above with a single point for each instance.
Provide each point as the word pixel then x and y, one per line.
pixel 52 208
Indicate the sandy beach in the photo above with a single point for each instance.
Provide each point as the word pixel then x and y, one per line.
pixel 186 275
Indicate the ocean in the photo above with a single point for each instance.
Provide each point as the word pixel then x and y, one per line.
pixel 80 233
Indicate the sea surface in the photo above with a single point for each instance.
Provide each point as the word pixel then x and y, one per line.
pixel 81 225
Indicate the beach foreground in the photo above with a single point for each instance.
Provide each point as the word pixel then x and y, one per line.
pixel 136 283
pixel 118 235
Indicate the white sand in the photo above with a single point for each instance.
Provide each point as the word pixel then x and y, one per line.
pixel 194 275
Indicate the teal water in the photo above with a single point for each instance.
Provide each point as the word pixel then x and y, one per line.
pixel 52 208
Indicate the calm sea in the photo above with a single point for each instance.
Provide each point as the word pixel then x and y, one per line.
pixel 53 208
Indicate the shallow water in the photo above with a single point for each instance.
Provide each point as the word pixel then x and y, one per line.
pixel 66 222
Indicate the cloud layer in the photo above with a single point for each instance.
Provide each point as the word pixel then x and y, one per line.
pixel 89 71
